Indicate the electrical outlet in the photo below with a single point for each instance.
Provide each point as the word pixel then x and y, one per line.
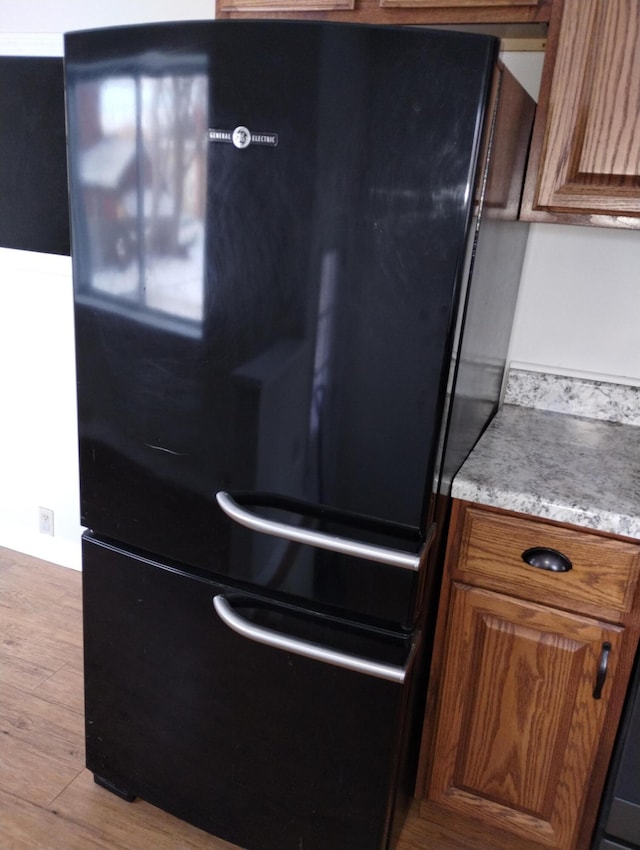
pixel 45 521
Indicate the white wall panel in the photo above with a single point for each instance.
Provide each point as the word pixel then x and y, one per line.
pixel 38 431
pixel 578 311
pixel 45 16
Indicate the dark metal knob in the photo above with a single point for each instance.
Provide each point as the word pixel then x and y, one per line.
pixel 547 559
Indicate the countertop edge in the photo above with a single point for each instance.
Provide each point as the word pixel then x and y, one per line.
pixel 559 466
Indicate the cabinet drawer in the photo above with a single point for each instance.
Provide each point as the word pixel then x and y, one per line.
pixel 602 579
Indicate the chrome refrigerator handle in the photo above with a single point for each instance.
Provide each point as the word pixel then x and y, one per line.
pixel 315 651
pixel 345 545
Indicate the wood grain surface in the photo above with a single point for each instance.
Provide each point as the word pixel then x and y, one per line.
pixel 602 582
pixel 392 11
pixel 584 165
pixel 519 728
pixel 515 742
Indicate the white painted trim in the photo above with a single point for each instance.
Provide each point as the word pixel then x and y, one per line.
pixel 31 44
pixel 34 261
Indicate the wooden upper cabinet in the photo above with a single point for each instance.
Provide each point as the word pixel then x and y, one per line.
pixel 393 11
pixel 585 158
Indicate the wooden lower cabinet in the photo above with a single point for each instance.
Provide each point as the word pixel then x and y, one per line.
pixel 519 726
pixel 525 696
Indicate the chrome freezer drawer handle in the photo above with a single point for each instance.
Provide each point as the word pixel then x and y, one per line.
pixel 382 554
pixel 269 637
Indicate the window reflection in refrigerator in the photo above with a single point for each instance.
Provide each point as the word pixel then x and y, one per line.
pixel 143 177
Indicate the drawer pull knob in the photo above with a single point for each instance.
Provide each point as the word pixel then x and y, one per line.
pixel 601 675
pixel 547 559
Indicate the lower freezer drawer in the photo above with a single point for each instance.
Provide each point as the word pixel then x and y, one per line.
pixel 261 746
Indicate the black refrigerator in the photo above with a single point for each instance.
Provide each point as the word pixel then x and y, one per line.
pixel 295 257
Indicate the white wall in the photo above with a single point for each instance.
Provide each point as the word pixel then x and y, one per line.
pixel 45 16
pixel 38 435
pixel 577 312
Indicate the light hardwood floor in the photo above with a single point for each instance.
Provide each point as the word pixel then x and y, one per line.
pixel 48 800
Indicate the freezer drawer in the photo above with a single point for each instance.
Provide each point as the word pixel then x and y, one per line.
pixel 257 744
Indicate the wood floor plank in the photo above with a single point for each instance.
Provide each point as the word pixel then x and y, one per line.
pixel 26 826
pixel 40 638
pixel 64 688
pixel 25 674
pixel 36 579
pixel 47 726
pixel 129 825
pixel 59 613
pixel 32 774
pixel 17 600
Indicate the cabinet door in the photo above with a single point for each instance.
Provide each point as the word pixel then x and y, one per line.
pixel 518 724
pixel 586 147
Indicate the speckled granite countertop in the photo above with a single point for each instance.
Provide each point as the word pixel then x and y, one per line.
pixel 556 465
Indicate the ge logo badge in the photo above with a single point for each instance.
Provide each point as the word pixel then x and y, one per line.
pixel 241 137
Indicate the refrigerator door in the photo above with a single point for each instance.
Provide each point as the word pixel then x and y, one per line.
pixel 269 227
pixel 261 744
